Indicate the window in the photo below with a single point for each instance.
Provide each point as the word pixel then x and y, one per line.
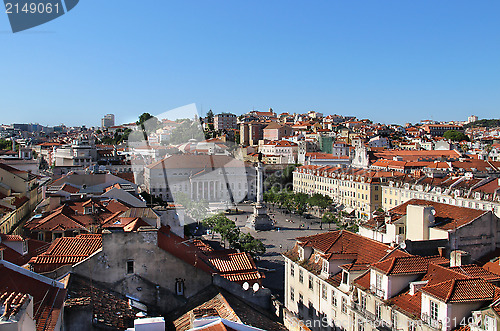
pixel 130 267
pixel 179 286
pixel 40 236
pixel 394 319
pixel 489 323
pixel 301 276
pixel 25 246
pixel 378 284
pixel 411 325
pixel 324 294
pixel 311 283
pixel 378 310
pixel 361 325
pixel 362 302
pixel 301 298
pixel 433 310
pixel 343 305
pixel 344 277
pixel 292 294
pixel 292 269
pixel 334 299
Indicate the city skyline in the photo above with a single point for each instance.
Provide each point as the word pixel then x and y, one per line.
pixel 390 62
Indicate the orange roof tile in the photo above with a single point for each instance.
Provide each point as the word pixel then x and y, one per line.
pixel 461 290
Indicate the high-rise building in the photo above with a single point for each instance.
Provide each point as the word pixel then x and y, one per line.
pixel 225 121
pixel 107 121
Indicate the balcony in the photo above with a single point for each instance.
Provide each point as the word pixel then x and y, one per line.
pixel 377 291
pixel 433 323
pixel 371 318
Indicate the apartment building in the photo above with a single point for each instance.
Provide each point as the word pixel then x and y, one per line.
pixel 225 121
pixel 340 280
pixel 414 293
pixel 319 272
pixel 287 150
pixel 427 222
pixel 463 191
pixel 352 189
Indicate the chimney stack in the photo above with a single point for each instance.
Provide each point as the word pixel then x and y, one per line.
pixel 459 258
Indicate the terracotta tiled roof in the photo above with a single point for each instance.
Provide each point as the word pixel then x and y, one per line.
pixel 12 303
pixel 493 266
pixel 402 265
pixel 473 270
pixel 216 302
pixel 461 290
pixel 410 304
pixel 109 309
pixel 10 237
pixel 67 250
pixel 71 216
pixel 447 216
pixel 347 244
pixel 238 267
pixel 47 299
pixel 35 247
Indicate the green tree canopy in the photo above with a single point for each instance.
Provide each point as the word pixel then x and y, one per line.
pixel 455 135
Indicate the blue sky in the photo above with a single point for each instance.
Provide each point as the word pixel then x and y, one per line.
pixel 391 61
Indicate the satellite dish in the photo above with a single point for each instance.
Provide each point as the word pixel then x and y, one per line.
pixel 433 211
pixel 256 287
pixel 246 286
pixel 402 245
pixel 140 314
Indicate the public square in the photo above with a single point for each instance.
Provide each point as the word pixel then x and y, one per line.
pixel 279 239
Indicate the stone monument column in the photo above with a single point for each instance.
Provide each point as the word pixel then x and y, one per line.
pixel 259 220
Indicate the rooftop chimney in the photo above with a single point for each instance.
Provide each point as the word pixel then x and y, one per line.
pixel 459 258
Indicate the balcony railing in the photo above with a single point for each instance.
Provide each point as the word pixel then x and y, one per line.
pixel 376 322
pixel 433 323
pixel 377 291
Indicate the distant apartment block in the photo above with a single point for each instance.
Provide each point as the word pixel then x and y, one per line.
pixel 225 121
pixel 107 121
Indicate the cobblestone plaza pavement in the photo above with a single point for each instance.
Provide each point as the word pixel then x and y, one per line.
pixel 279 239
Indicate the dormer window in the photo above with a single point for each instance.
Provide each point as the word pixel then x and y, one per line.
pixel 345 277
pixel 325 266
pixel 301 254
pixel 25 247
pixel 434 310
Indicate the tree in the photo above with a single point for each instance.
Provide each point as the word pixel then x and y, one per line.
pixel 320 200
pixel 148 123
pixel 329 218
pixel 185 131
pixel 210 117
pixel 455 135
pixel 5 144
pixel 251 245
pixel 300 202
